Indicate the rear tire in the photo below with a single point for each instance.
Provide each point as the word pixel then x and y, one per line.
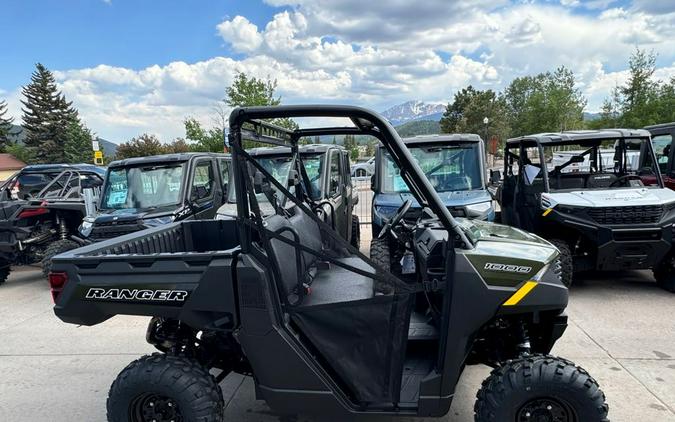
pixel 356 232
pixel 566 262
pixel 60 246
pixel 162 387
pixel 545 387
pixel 664 274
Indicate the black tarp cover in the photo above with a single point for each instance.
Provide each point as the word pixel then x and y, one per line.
pixel 363 341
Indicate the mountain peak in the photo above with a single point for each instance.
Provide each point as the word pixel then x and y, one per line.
pixel 413 110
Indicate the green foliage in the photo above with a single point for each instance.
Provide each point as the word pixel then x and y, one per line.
pixel 78 147
pixel 21 152
pixel 5 125
pixel 46 117
pixel 203 140
pixel 469 108
pixel 418 127
pixel 248 91
pixel 179 145
pixel 140 146
pixel 545 102
pixel 641 101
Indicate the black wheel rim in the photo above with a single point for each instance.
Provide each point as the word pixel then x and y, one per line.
pixel 545 409
pixel 154 408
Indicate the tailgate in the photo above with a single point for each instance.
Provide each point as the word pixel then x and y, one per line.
pixel 163 271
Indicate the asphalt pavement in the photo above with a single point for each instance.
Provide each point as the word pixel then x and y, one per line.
pixel 622 330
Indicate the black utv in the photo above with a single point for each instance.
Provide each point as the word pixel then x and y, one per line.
pixel 597 195
pixel 325 176
pixel 150 191
pixel 285 299
pixel 40 225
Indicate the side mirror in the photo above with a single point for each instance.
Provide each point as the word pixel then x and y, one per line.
pixel 373 187
pixel 258 182
pixel 293 178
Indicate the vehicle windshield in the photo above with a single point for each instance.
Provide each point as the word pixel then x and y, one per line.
pixel 449 167
pixel 277 166
pixel 314 167
pixel 596 164
pixel 143 187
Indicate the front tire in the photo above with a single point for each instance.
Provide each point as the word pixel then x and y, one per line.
pixel 58 247
pixel 4 272
pixel 664 274
pixel 566 262
pixel 540 388
pixel 356 232
pixel 162 388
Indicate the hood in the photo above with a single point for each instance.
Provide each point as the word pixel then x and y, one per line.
pixel 450 199
pixel 131 214
pixel 611 197
pixel 505 255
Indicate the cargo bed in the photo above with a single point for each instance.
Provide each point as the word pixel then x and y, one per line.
pixel 162 271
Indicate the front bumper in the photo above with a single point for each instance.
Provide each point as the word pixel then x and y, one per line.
pixel 620 247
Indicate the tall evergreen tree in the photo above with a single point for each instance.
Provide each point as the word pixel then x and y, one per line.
pixel 77 146
pixel 47 116
pixel 5 125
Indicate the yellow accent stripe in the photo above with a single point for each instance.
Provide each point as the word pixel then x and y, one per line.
pixel 520 293
pixel 547 212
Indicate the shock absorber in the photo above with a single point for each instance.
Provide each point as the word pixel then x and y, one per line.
pixel 523 346
pixel 63 230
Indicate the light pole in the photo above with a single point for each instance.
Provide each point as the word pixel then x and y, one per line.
pixel 486 121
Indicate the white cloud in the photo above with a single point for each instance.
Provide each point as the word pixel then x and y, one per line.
pixel 351 51
pixel 242 34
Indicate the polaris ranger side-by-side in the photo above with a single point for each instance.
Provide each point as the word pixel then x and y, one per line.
pixel 320 328
pixel 326 175
pixel 34 228
pixel 597 195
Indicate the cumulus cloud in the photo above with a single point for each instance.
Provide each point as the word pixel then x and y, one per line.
pixel 350 51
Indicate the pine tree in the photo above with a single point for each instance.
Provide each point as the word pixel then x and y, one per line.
pixel 47 117
pixel 5 125
pixel 78 144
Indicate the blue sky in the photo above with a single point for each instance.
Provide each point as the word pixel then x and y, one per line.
pixel 143 66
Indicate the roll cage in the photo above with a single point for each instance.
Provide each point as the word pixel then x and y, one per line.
pixel 540 141
pixel 247 123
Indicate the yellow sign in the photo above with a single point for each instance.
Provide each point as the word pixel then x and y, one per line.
pixel 98 154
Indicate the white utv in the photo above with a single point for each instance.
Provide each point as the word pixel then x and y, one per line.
pixel 597 195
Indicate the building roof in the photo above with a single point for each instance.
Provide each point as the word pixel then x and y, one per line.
pixel 10 162
pixel 444 137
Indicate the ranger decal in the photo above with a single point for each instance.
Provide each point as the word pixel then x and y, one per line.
pixel 137 294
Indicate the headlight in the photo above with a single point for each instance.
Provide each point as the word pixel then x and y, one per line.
pixel 157 221
pixel 478 209
pixel 86 227
pixel 386 212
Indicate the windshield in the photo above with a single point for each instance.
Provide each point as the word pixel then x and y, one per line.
pixel 449 167
pixel 596 164
pixel 143 187
pixel 277 166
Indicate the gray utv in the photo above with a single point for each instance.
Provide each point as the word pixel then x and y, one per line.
pixel 319 327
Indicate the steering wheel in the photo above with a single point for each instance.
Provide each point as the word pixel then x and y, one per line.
pixel 395 219
pixel 626 177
